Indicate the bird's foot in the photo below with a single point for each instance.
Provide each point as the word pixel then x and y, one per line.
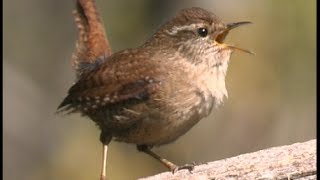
pixel 189 167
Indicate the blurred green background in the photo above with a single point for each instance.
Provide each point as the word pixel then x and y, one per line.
pixel 272 96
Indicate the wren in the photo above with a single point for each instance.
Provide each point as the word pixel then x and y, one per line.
pixel 153 94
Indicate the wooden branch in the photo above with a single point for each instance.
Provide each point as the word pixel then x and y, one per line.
pixel 297 161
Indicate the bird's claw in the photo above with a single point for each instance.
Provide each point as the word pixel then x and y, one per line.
pixel 189 167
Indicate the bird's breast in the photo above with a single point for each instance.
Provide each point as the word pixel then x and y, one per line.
pixel 177 107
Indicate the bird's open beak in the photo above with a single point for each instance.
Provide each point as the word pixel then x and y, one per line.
pixel 220 38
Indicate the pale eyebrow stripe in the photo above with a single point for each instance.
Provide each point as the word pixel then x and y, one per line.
pixel 176 29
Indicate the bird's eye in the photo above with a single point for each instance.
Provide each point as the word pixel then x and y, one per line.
pixel 203 32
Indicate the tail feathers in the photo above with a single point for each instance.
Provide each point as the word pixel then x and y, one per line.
pixel 66 107
pixel 92 43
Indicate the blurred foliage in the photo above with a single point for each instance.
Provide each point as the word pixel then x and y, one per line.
pixel 272 96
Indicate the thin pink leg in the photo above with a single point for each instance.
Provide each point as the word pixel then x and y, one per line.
pixel 104 163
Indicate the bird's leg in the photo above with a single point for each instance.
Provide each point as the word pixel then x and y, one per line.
pixel 103 175
pixel 172 167
pixel 105 139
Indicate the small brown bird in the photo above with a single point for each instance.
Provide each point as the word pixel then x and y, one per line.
pixel 153 94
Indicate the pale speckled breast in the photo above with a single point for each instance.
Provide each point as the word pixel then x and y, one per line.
pixel 176 109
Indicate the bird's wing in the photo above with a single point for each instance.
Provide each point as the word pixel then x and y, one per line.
pixel 112 83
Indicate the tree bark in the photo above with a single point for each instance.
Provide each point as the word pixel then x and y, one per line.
pixel 296 161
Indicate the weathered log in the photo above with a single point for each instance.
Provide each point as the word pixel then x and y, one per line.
pixel 296 161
